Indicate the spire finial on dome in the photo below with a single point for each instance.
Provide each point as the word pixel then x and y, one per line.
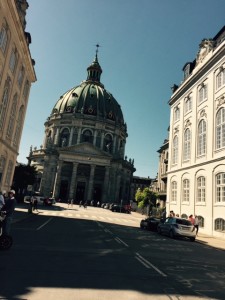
pixel 96 52
pixel 95 70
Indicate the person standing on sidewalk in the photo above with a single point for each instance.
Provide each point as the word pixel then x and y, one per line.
pixel 9 207
pixel 196 224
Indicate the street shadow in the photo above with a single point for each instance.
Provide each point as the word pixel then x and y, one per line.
pixel 94 255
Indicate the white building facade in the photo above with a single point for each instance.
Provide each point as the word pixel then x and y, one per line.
pixel 196 168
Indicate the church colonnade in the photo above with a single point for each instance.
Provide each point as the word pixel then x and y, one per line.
pixel 74 180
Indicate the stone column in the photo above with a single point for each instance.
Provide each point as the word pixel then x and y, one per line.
pixel 79 135
pixel 105 197
pixel 71 136
pixel 57 179
pixel 102 141
pixel 95 136
pixel 73 181
pixel 118 179
pixel 90 184
pixel 56 141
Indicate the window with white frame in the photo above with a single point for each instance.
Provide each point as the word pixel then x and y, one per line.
pixel 220 187
pixel 220 78
pixel 3 39
pixel 173 191
pixel 187 144
pixel 175 150
pixel 188 104
pixel 202 138
pixel 201 189
pixel 203 93
pixel 186 190
pixel 176 114
pixel 220 128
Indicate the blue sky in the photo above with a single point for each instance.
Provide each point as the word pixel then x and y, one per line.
pixel 144 46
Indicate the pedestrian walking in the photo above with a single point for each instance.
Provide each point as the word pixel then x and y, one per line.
pixel 196 224
pixel 9 208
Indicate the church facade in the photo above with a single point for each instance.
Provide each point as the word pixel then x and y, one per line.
pixel 83 153
pixel 196 168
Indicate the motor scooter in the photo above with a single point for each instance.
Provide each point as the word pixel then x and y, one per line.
pixel 6 241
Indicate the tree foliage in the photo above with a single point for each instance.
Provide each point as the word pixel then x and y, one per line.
pixel 145 198
pixel 24 175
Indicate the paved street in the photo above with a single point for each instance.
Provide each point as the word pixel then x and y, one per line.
pixel 93 253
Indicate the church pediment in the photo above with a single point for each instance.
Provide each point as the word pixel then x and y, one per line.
pixel 83 149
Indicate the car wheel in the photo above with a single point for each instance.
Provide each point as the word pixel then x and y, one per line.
pixel 172 234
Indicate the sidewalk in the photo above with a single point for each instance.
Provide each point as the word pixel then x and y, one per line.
pixel 21 213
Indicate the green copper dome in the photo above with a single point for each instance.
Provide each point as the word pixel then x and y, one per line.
pixel 90 98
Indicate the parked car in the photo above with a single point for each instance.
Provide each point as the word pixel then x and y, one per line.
pixel 40 198
pixel 49 201
pixel 177 227
pixel 150 223
pixel 121 208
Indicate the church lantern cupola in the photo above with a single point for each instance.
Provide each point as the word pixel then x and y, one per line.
pixel 94 70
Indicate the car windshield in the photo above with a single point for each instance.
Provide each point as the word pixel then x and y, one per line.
pixel 183 222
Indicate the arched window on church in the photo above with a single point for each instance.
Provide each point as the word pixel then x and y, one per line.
pixel 108 143
pixel 87 136
pixel 64 137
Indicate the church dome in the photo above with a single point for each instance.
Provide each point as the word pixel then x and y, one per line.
pixel 90 99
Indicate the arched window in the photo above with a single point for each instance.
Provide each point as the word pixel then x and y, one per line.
pixel 220 224
pixel 108 143
pixel 202 138
pixel 186 190
pixel 87 136
pixel 220 78
pixel 64 137
pixel 176 114
pixel 3 39
pixel 201 221
pixel 18 127
pixel 188 104
pixel 12 117
pixel 3 106
pixel 220 128
pixel 201 189
pixel 220 187
pixel 13 60
pixel 203 93
pixel 21 76
pixel 175 150
pixel 2 167
pixel 184 216
pixel 9 173
pixel 187 144
pixel 174 191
